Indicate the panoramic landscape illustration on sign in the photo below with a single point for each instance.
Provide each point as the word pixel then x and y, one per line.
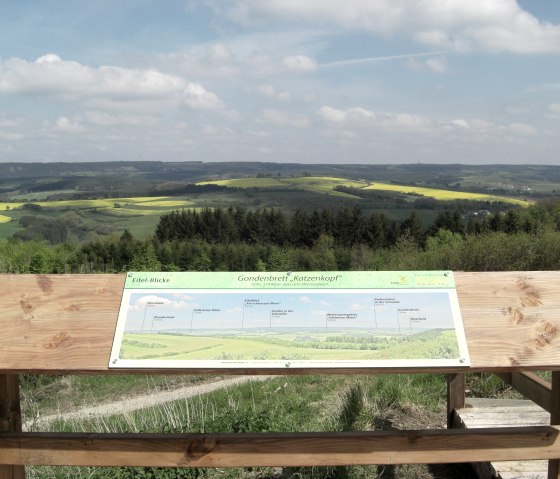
pixel 313 320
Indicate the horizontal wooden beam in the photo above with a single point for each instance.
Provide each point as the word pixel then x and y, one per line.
pixel 64 324
pixel 531 386
pixel 280 449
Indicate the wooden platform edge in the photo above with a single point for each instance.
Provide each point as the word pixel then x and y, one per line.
pixel 281 449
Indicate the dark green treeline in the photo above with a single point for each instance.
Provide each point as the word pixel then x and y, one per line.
pixel 267 240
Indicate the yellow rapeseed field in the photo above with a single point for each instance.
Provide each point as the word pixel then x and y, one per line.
pixel 445 195
pixel 5 219
pixel 141 205
pixel 327 184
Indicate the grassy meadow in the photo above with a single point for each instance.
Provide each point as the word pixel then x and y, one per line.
pixel 319 346
pixel 280 404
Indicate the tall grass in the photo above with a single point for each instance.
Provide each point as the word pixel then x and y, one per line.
pixel 281 404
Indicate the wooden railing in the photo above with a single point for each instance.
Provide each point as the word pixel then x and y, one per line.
pixel 65 325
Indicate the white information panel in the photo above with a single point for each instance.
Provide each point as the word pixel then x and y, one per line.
pixel 290 320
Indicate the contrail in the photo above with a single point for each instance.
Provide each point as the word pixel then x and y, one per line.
pixel 386 58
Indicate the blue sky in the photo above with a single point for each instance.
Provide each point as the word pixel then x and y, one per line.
pixel 289 310
pixel 318 81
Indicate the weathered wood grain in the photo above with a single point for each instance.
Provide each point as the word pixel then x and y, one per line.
pixel 65 323
pixel 10 419
pixel 455 395
pixel 280 449
pixel 514 413
pixel 531 386
pixel 554 464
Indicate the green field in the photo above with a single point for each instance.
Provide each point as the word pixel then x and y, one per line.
pixel 140 214
pixel 327 185
pixel 289 346
pixel 445 195
pixel 318 184
pixel 136 203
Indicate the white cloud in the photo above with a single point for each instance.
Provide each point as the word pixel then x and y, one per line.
pixel 10 136
pixel 146 301
pixel 50 74
pixel 475 129
pixel 300 63
pixel 101 118
pixel 522 129
pixel 333 115
pixel 218 133
pixel 437 64
pixel 460 123
pixel 361 117
pixel 554 109
pixel 268 91
pixel 281 118
pixel 197 97
pixel 64 124
pixel 104 86
pixel 492 26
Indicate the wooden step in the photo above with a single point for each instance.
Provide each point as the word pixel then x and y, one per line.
pixel 504 413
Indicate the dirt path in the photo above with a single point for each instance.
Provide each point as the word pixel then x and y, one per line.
pixel 144 401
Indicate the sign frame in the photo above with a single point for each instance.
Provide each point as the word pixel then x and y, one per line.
pixel 271 307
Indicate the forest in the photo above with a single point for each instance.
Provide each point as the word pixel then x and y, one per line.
pixel 239 239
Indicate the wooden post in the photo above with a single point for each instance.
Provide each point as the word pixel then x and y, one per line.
pixel 455 395
pixel 554 465
pixel 10 419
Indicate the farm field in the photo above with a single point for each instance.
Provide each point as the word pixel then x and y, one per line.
pixel 139 204
pixel 286 346
pixel 140 214
pixel 317 184
pixel 327 185
pixel 445 195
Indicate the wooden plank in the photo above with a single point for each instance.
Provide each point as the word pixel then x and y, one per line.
pixel 512 320
pixel 521 469
pixel 485 413
pixel 531 386
pixel 58 322
pixel 522 412
pixel 475 420
pixel 54 323
pixel 554 465
pixel 455 396
pixel 10 420
pixel 280 449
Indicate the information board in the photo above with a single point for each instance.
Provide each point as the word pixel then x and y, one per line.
pixel 289 320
